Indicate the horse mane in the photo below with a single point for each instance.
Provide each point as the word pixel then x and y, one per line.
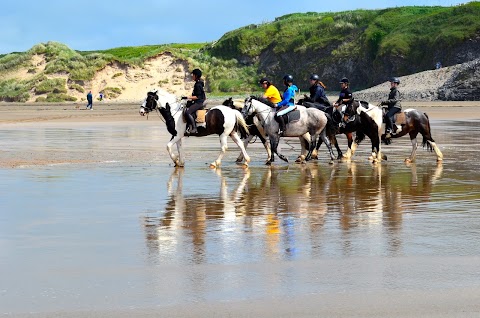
pixel 233 103
pixel 263 100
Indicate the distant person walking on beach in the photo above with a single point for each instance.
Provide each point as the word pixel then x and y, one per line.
pixel 90 100
pixel 100 96
pixel 438 65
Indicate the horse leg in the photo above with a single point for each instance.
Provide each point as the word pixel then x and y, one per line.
pixel 266 144
pixel 274 140
pixel 245 145
pixel 323 137
pixel 173 156
pixel 437 150
pixel 239 143
pixel 224 147
pixel 413 140
pixel 181 153
pixel 349 153
pixel 305 143
pixel 427 138
pixel 312 146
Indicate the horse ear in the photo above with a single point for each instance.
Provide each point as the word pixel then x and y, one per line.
pixel 167 106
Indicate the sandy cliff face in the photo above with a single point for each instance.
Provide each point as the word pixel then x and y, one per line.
pixel 162 72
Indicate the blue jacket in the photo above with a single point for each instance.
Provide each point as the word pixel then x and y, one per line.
pixel 288 96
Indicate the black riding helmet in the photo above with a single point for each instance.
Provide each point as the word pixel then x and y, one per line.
pixel 264 80
pixel 344 80
pixel 288 78
pixel 314 77
pixel 197 73
pixel 395 80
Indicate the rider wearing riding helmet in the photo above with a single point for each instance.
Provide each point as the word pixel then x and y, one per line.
pixel 271 92
pixel 287 100
pixel 345 97
pixel 393 104
pixel 317 98
pixel 196 100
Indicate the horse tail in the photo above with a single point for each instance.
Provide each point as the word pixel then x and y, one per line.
pixel 428 133
pixel 241 124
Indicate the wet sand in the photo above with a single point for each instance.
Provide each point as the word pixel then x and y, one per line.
pixel 97 223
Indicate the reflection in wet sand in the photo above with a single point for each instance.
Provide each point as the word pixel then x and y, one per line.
pixel 289 210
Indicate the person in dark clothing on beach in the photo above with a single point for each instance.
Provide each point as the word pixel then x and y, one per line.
pixel 89 100
pixel 196 100
pixel 393 104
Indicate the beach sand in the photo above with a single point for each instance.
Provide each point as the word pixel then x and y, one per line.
pixel 450 302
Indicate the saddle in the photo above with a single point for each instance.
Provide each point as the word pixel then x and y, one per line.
pixel 291 116
pixel 398 119
pixel 199 116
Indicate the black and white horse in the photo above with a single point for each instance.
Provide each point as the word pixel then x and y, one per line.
pixel 366 120
pixel 220 120
pixel 310 125
pixel 415 122
pixel 254 127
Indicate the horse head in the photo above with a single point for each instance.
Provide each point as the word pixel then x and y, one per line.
pixel 149 104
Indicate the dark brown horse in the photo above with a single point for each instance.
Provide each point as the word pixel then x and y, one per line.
pixel 414 122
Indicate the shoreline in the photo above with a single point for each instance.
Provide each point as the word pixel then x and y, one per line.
pixel 128 112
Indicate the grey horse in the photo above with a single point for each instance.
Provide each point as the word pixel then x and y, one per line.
pixel 311 125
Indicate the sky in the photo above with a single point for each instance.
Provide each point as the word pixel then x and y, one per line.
pixel 103 24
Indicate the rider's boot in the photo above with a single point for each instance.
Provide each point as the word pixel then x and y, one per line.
pixel 281 124
pixel 192 124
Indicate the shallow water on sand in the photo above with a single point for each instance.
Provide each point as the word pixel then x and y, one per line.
pixel 115 226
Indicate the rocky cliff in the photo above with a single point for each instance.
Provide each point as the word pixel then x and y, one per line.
pixel 459 82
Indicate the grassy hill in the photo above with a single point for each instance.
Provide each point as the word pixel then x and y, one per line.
pixel 365 45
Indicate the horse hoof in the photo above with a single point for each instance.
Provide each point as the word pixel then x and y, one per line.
pixel 213 165
pixel 331 162
pixel 439 159
pixel 238 160
pixel 268 163
pixel 408 160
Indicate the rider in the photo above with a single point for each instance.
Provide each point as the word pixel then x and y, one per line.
pixel 271 92
pixel 196 100
pixel 287 100
pixel 394 106
pixel 317 97
pixel 345 98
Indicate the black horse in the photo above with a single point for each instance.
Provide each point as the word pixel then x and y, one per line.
pixel 414 122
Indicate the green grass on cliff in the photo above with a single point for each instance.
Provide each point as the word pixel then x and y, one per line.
pixel 395 31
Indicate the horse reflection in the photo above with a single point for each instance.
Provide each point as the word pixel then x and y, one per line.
pixel 280 212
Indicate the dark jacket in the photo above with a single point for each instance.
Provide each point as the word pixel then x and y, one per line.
pixel 393 99
pixel 345 94
pixel 89 98
pixel 199 91
pixel 317 94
